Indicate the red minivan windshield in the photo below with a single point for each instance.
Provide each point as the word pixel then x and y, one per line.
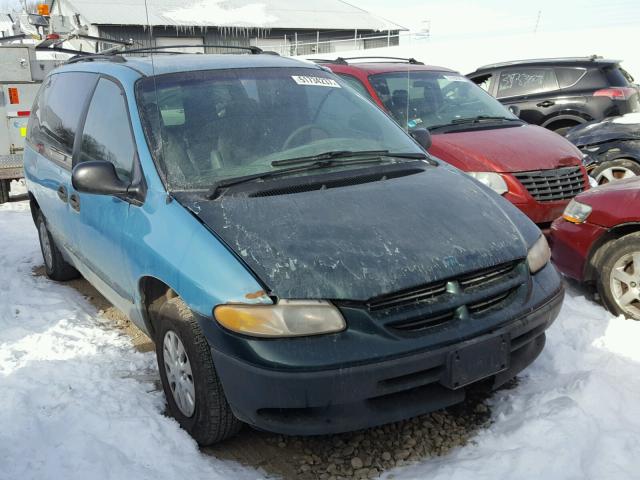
pixel 436 99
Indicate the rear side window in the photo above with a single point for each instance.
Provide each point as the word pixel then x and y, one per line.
pixel 356 84
pixel 62 100
pixel 615 77
pixel 107 132
pixel 567 77
pixel 526 81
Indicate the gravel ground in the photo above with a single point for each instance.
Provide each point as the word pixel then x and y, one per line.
pixel 356 455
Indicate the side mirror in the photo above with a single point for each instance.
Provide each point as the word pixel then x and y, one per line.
pixel 99 178
pixel 515 110
pixel 422 136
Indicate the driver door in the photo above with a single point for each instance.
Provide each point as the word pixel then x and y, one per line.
pixel 101 220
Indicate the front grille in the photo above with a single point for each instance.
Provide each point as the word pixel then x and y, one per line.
pixel 549 185
pixel 483 277
pixel 489 303
pixel 409 296
pixel 424 308
pixel 477 279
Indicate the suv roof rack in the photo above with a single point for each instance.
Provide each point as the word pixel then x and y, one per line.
pixel 590 58
pixel 117 54
pixel 345 60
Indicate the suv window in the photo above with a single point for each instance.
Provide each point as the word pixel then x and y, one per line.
pixel 526 81
pixel 56 115
pixel 615 77
pixel 568 77
pixel 483 81
pixel 107 133
pixel 354 83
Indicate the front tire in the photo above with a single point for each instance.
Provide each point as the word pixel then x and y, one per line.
pixel 56 267
pixel 615 170
pixel 191 384
pixel 619 281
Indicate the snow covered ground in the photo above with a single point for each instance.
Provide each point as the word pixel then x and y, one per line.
pixel 77 401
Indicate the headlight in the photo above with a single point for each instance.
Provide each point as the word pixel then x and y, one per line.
pixel 576 212
pixel 287 318
pixel 539 255
pixel 492 180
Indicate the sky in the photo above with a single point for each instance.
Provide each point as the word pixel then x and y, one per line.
pixel 462 17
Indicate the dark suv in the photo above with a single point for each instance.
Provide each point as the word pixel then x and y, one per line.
pixel 560 93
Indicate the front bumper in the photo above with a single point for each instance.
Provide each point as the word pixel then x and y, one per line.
pixel 572 245
pixel 361 396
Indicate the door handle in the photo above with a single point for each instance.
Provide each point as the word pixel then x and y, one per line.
pixel 546 103
pixel 62 193
pixel 74 201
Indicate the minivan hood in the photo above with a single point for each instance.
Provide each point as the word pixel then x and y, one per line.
pixel 362 241
pixel 505 150
pixel 624 127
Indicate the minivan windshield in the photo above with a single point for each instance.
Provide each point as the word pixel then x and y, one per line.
pixel 206 126
pixel 432 99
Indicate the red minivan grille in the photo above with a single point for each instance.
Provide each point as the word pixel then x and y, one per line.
pixel 549 185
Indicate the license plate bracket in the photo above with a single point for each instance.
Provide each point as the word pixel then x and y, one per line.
pixel 477 360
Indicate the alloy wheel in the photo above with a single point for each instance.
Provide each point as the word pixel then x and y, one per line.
pixel 625 283
pixel 614 173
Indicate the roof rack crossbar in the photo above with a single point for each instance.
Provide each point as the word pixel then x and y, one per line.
pixel 252 49
pixel 411 60
pixel 88 57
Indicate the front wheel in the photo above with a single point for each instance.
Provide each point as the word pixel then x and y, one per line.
pixel 191 385
pixel 619 281
pixel 615 170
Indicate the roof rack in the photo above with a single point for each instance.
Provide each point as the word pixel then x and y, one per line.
pixel 253 50
pixel 590 58
pixel 345 60
pixel 116 54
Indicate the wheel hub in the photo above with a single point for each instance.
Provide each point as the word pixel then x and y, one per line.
pixel 179 375
pixel 624 283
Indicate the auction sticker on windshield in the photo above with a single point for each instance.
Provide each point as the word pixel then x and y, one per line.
pixel 315 81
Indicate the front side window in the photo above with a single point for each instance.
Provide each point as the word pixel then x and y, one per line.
pixel 526 81
pixel 430 99
pixel 107 134
pixel 206 126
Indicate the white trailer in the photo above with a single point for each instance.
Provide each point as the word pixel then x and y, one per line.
pixel 21 74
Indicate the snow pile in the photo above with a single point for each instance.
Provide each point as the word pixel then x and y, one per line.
pixel 76 400
pixel 628 118
pixel 575 413
pixel 212 13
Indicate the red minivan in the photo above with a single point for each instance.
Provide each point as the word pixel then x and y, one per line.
pixel 537 170
pixel 597 241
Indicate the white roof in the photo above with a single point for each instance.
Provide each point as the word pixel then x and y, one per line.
pixel 268 14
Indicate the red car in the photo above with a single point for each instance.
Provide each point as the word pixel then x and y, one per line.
pixel 535 169
pixel 597 240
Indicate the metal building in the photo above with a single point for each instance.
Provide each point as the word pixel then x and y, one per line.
pixel 288 27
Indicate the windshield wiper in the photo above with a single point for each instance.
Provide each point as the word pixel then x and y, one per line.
pixel 480 118
pixel 472 120
pixel 336 154
pixel 217 187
